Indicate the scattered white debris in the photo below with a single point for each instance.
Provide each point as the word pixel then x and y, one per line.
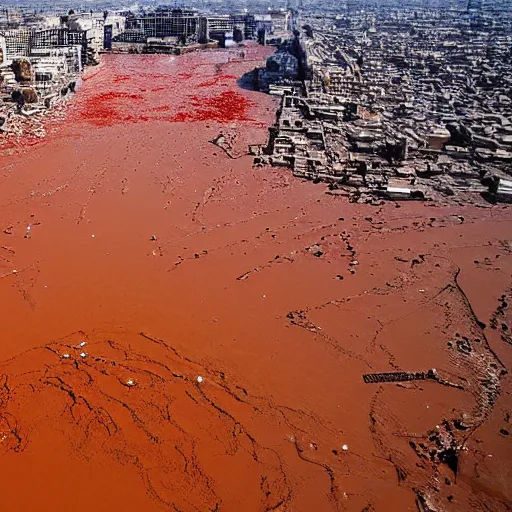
pixel 82 344
pixel 66 356
pixel 345 447
pixel 200 379
pixel 14 271
pixel 83 354
pixel 131 382
pixel 422 291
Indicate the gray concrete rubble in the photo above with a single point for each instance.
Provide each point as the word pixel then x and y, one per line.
pixel 40 66
pixel 400 104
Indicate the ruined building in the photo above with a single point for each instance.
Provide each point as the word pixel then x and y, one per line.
pixel 415 105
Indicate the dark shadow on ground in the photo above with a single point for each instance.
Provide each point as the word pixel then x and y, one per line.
pixel 248 81
pixel 489 197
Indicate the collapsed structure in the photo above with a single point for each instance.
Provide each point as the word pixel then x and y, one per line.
pixel 412 103
pixel 41 60
pixel 177 30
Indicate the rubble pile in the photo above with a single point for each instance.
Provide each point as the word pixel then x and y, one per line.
pixel 21 126
pixel 400 103
pixel 22 70
pixel 33 87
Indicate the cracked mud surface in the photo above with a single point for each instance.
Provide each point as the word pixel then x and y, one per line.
pixel 173 261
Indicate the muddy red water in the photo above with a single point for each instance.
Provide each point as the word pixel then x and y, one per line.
pixel 181 331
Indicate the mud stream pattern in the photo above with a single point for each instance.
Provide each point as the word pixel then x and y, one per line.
pixel 223 317
pixel 139 402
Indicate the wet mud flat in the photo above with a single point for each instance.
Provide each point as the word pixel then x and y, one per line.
pixel 184 332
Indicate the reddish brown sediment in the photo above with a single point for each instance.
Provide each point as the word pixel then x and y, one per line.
pixel 173 262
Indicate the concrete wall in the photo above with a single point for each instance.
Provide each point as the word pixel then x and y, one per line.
pixel 118 23
pixel 128 47
pixel 3 51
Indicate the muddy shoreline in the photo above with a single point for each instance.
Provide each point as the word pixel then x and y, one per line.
pixel 172 261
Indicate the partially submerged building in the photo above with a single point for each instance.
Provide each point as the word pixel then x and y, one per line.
pixel 53 56
pixel 40 62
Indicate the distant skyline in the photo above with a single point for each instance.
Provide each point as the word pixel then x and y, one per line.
pixel 62 6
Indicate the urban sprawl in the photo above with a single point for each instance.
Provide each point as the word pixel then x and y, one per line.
pixel 386 101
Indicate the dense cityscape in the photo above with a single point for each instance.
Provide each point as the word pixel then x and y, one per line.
pixel 410 104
